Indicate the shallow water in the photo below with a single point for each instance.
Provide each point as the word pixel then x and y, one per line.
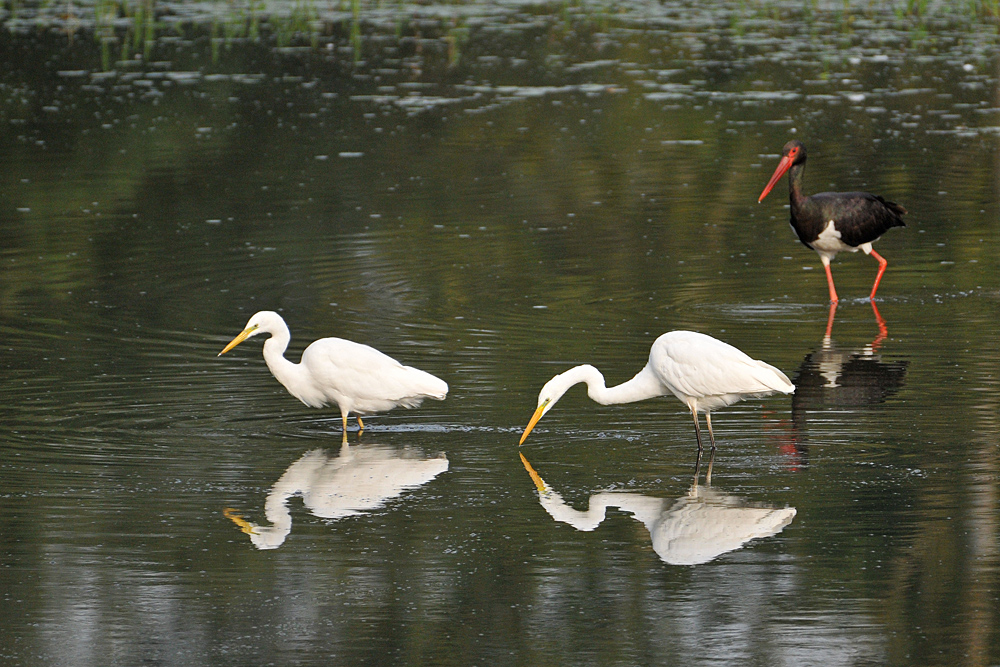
pixel 493 195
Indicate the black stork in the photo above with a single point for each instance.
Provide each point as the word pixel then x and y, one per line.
pixel 832 222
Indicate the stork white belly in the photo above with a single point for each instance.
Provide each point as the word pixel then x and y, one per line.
pixel 829 241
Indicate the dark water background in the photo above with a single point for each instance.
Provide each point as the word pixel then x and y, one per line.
pixel 494 193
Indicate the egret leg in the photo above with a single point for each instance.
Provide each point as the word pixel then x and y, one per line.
pixel 882 263
pixel 829 278
pixel 343 418
pixel 708 472
pixel 697 431
pixel 361 424
pixel 708 420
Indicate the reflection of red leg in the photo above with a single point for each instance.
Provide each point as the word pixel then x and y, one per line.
pixel 782 433
pixel 829 320
pixel 883 330
pixel 829 281
pixel 882 263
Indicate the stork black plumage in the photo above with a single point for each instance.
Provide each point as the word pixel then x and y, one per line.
pixel 832 222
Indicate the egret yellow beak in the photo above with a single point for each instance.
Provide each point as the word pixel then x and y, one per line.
pixel 235 517
pixel 539 482
pixel 239 339
pixel 534 420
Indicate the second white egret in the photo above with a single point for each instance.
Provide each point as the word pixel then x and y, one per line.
pixel 701 371
pixel 356 377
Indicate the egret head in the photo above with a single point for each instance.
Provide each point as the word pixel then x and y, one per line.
pixel 549 395
pixel 257 324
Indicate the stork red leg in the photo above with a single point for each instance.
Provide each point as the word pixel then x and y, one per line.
pixel 829 280
pixel 882 263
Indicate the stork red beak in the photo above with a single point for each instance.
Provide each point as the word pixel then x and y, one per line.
pixel 783 166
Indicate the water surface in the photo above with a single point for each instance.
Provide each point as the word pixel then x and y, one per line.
pixel 494 194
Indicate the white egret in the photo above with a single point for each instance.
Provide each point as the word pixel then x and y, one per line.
pixel 701 371
pixel 356 377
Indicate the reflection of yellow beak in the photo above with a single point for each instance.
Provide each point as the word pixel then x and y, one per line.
pixel 238 519
pixel 239 339
pixel 539 482
pixel 534 420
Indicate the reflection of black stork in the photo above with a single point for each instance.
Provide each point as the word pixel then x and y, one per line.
pixel 831 377
pixel 832 222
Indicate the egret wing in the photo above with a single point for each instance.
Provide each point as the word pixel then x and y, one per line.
pixel 696 365
pixel 366 378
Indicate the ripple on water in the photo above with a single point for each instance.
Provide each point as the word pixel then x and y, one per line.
pixel 767 312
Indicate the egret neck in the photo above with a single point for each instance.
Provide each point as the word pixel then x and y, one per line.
pixel 641 387
pixel 288 373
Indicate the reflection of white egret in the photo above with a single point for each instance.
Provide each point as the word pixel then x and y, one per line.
pixel 356 377
pixel 360 479
pixel 691 530
pixel 701 371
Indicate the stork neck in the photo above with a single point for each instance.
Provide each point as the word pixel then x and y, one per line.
pixel 795 195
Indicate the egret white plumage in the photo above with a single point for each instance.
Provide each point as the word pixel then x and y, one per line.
pixel 701 371
pixel 357 378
